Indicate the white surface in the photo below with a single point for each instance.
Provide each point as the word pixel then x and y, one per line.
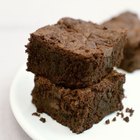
pixel 18 18
pixel 22 107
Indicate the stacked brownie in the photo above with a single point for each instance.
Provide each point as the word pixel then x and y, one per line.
pixel 131 23
pixel 73 64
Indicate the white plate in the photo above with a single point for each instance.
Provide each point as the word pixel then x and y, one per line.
pixel 22 108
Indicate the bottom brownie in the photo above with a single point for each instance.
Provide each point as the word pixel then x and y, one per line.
pixel 79 109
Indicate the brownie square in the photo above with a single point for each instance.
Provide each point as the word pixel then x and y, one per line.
pixel 74 53
pixel 79 109
pixel 130 22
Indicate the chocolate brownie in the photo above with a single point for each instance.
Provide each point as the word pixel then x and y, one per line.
pixel 74 53
pixel 79 109
pixel 131 23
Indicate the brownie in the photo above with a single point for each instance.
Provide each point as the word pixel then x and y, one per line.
pixel 130 22
pixel 74 53
pixel 79 109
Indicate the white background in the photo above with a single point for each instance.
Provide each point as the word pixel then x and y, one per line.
pixel 18 18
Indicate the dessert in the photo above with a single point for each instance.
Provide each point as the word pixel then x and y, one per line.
pixel 131 23
pixel 74 53
pixel 73 64
pixel 79 109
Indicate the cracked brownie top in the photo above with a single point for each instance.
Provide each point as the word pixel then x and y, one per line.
pixel 80 37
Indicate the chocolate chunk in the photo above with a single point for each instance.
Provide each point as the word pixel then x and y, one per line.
pixel 104 28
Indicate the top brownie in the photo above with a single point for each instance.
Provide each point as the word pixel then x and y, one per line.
pixel 131 23
pixel 74 53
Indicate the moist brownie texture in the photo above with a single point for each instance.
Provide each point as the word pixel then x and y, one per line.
pixel 79 109
pixel 74 53
pixel 130 22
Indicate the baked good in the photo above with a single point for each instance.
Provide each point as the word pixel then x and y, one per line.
pixel 74 53
pixel 79 109
pixel 130 22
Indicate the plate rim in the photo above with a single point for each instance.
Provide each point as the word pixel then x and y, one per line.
pixel 13 107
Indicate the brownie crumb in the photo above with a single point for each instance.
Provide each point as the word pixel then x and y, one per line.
pixel 107 121
pixel 118 113
pixel 127 109
pixel 130 111
pixel 122 115
pixel 126 119
pixel 114 119
pixel 43 120
pixel 36 114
